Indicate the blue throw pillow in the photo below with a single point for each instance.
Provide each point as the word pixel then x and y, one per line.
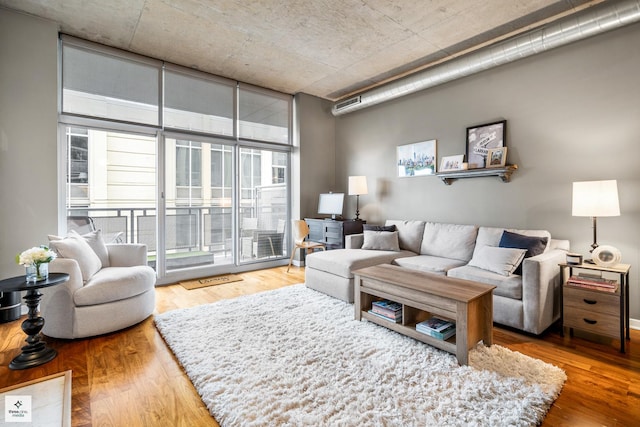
pixel 534 245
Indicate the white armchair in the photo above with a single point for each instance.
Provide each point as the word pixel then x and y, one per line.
pixel 105 293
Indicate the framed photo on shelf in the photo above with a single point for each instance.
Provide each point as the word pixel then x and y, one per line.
pixel 417 159
pixel 482 138
pixel 497 157
pixel 451 163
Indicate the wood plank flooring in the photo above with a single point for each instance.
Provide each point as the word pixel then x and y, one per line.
pixel 130 378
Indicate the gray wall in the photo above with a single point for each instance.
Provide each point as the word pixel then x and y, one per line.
pixel 317 152
pixel 572 114
pixel 28 135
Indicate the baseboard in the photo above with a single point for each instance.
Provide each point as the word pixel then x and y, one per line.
pixel 634 324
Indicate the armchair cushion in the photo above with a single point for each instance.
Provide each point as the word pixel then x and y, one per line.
pixel 96 242
pixel 115 284
pixel 77 248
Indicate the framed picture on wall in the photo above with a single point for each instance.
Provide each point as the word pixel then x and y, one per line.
pixel 451 163
pixel 480 139
pixel 416 159
pixel 497 157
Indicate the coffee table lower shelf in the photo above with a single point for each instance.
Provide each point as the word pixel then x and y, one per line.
pixel 409 330
pixel 422 296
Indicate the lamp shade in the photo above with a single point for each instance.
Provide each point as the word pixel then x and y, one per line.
pixel 357 185
pixel 595 198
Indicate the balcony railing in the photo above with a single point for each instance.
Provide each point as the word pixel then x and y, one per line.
pixel 193 234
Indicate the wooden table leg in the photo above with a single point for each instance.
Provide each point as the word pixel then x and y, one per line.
pixel 357 297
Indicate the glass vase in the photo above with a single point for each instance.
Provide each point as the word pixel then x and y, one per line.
pixel 42 271
pixel 31 273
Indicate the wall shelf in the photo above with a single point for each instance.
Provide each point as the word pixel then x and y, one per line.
pixel 504 173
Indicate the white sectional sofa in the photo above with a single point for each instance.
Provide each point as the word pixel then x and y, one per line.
pixel 527 294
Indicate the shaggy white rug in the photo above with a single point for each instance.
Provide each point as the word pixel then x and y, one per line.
pixel 296 357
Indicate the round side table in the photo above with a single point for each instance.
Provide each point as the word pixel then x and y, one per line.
pixel 36 352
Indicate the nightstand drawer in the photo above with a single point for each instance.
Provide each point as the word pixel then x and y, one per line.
pixel 591 321
pixel 591 301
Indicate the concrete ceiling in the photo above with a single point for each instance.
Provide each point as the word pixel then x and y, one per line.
pixel 327 48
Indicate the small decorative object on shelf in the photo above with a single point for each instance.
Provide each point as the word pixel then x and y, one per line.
pixel 36 262
pixel 606 256
pixel 574 259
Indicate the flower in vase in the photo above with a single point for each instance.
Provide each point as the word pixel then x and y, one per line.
pixel 35 256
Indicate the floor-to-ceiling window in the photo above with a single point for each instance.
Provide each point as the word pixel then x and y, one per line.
pixel 193 165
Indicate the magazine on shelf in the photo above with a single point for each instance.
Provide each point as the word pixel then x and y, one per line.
pixel 386 307
pixel 441 335
pixel 382 316
pixel 593 287
pixel 590 280
pixel 436 324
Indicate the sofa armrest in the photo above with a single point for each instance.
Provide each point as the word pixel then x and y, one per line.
pixel 353 241
pixel 57 305
pixel 127 254
pixel 541 289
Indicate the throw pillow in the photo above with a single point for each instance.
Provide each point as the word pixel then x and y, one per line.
pixel 381 240
pixel 533 245
pixel 498 260
pixel 409 234
pixel 379 227
pixel 75 247
pixel 95 240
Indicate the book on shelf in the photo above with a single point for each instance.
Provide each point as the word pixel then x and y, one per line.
pixel 445 334
pixel 593 287
pixel 390 319
pixel 436 324
pixel 386 307
pixel 593 280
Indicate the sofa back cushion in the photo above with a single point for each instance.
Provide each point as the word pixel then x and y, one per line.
pixel 449 240
pixel 409 234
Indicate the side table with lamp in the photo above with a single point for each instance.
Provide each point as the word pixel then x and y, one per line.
pixel 590 301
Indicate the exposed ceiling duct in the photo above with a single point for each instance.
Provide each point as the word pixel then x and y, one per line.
pixel 596 20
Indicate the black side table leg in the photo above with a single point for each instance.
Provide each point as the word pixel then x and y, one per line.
pixel 35 353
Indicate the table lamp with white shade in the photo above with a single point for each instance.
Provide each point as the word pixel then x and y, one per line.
pixel 595 199
pixel 357 186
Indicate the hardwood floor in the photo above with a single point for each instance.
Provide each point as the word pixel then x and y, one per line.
pixel 131 378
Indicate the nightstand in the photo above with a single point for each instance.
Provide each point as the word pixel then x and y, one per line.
pixel 596 311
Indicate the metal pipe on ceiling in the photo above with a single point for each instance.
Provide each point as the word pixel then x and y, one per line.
pixel 593 21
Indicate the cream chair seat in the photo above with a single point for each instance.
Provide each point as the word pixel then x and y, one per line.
pixel 300 233
pixel 111 287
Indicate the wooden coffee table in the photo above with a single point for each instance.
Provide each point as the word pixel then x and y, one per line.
pixel 423 295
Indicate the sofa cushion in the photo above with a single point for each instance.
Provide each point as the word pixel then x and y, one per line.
pixel 381 240
pixel 532 244
pixel 449 240
pixel 428 263
pixel 115 284
pixel 503 261
pixel 342 262
pixel 409 234
pixel 506 286
pixel 76 247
